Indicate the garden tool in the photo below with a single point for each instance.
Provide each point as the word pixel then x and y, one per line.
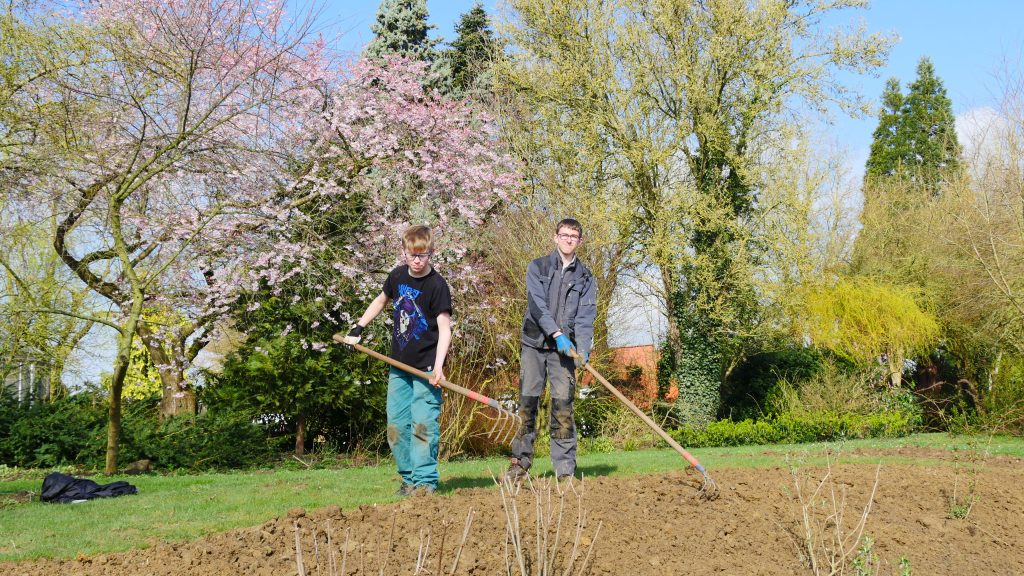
pixel 708 489
pixel 506 422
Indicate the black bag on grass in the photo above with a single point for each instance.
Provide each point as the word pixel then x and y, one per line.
pixel 65 489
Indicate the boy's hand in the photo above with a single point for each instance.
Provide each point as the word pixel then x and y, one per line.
pixel 353 335
pixel 564 345
pixel 436 376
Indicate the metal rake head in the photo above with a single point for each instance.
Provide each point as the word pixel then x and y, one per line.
pixel 505 425
pixel 707 490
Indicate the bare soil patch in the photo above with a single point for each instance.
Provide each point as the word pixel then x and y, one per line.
pixel 650 525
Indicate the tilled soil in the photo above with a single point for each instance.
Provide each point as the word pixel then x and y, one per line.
pixel 641 525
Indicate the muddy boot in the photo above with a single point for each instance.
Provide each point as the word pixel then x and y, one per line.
pixel 404 490
pixel 515 473
pixel 424 490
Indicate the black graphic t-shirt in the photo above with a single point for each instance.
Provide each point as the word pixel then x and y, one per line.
pixel 417 303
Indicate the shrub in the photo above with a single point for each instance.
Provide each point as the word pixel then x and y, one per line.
pixel 831 389
pixel 591 413
pixel 745 392
pixel 47 434
pixel 1001 406
pixel 792 429
pixel 211 440
pixel 73 431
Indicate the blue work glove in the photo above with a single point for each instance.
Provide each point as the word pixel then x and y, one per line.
pixel 564 345
pixel 584 357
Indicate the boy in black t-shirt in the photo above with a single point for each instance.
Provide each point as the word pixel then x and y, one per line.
pixel 420 335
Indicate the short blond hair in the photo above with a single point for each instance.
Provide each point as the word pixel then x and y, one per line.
pixel 418 239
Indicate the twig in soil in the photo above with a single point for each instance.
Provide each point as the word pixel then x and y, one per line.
pixel 421 556
pixel 344 553
pixel 298 551
pixel 316 549
pixel 462 544
pixel 581 517
pixel 590 549
pixel 509 491
pixel 444 534
pixel 374 557
pixel 362 560
pixel 391 543
pixel 332 561
pixel 542 559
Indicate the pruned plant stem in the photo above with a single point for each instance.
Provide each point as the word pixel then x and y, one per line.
pixel 462 543
pixel 590 549
pixel 298 551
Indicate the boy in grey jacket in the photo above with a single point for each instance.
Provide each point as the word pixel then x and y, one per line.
pixel 561 296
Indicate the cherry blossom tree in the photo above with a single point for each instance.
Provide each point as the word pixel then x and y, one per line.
pixel 202 151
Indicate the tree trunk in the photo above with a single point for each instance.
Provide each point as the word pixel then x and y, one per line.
pixel 300 434
pixel 895 365
pixel 121 362
pixel 177 397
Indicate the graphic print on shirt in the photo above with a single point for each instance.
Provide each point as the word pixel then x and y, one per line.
pixel 410 322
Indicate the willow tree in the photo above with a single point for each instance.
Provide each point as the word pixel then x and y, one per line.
pixel 666 115
pixel 863 320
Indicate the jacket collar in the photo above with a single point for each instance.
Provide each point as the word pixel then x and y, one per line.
pixel 556 259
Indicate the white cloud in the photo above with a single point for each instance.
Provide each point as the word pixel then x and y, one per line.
pixel 978 131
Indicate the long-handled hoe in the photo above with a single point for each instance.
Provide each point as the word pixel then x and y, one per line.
pixel 708 489
pixel 506 423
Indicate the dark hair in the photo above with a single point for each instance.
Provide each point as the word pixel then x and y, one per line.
pixel 571 224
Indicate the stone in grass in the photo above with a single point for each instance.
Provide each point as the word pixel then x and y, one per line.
pixel 139 467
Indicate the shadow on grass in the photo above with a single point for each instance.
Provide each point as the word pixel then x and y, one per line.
pixel 595 470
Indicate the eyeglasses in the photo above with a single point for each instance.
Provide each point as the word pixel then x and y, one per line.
pixel 569 237
pixel 423 256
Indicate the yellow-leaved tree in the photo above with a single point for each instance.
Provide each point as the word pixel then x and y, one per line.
pixel 864 320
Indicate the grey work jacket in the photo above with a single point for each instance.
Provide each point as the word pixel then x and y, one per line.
pixel 578 296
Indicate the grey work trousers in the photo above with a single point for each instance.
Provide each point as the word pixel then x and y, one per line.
pixel 537 367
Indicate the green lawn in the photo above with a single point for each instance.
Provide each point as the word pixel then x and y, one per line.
pixel 186 507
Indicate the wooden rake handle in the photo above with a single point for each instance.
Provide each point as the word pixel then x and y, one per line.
pixel 643 416
pixel 406 368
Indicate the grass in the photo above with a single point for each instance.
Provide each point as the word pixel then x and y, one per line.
pixel 178 508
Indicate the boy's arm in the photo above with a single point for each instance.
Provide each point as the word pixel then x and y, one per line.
pixel 444 339
pixel 372 311
pixel 585 316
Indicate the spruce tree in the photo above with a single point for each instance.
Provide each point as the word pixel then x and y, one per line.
pixel 402 29
pixel 916 134
pixel 471 51
pixel 914 150
pixel 887 149
pixel 930 129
